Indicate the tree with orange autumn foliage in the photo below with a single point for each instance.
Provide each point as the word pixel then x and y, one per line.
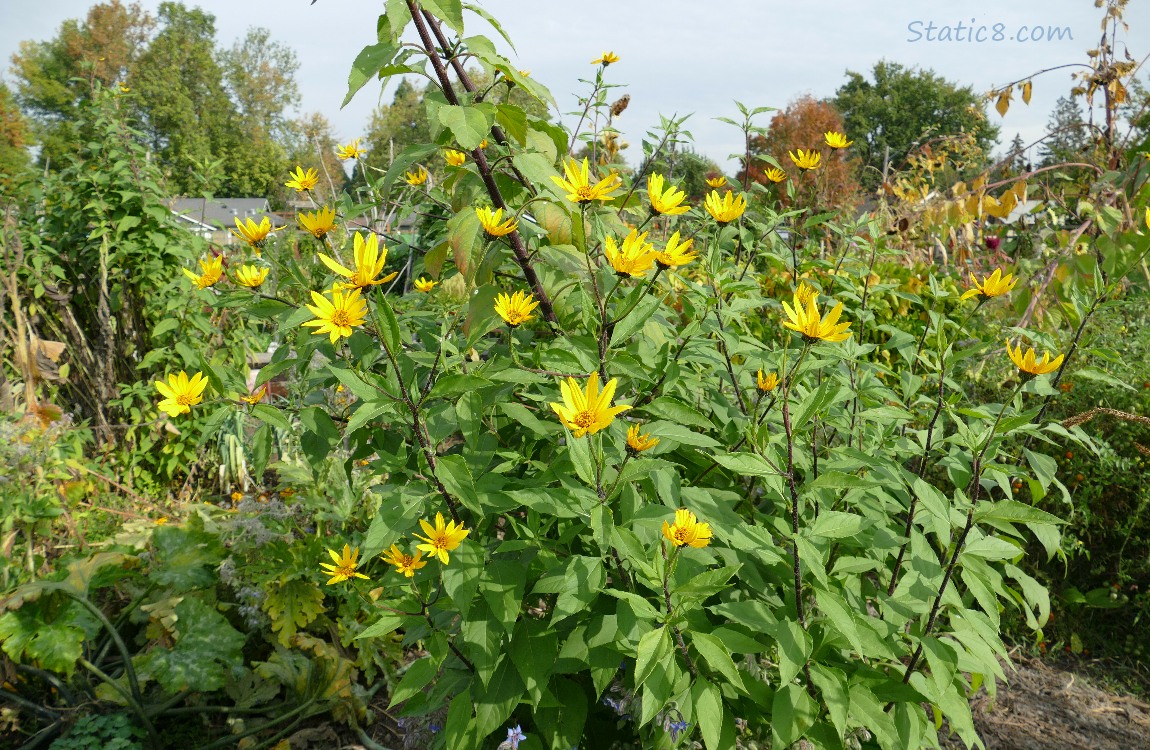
pixel 801 126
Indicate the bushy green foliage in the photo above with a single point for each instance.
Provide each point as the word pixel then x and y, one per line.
pixel 101 732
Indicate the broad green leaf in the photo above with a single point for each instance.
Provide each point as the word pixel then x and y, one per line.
pixel 469 124
pixel 717 657
pixel 708 712
pixel 654 648
pixel 792 714
pixel 367 63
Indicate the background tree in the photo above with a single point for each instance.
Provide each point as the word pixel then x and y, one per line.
pixel 187 113
pixel 1017 161
pixel 259 73
pixel 393 127
pixel 802 125
pixel 55 77
pixel 903 107
pixel 1069 135
pixel 311 143
pixel 14 137
pixel 686 169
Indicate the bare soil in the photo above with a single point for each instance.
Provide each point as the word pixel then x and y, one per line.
pixel 1045 707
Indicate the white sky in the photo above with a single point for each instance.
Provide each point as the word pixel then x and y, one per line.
pixel 678 56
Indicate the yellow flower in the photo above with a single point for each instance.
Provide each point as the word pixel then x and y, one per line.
pixel 806 320
pixel 578 183
pixel 344 567
pixel 424 285
pixel 637 443
pixel 805 159
pixel 213 271
pixel 675 253
pixel 994 285
pixel 493 223
pixel 337 317
pixel 441 538
pixel 237 496
pixel 587 412
pixel 403 562
pixel 774 174
pixel 687 530
pixel 350 151
pixel 635 258
pixel 768 383
pixel 716 182
pixel 805 293
pixel 454 158
pixel 726 209
pixel 1029 364
pixel 181 394
pixel 251 276
pixel 302 181
pixel 1147 154
pixel 254 234
pixel 483 144
pixel 516 308
pixel 836 140
pixel 319 223
pixel 369 262
pixel 255 398
pixel 161 520
pixel 667 201
pixel 418 177
pixel 605 59
pixel 124 88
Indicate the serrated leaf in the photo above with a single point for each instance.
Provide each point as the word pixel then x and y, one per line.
pixel 291 606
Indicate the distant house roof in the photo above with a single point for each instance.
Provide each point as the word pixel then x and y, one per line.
pixel 222 212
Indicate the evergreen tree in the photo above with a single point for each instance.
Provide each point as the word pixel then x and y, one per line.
pixel 1016 161
pixel 1069 135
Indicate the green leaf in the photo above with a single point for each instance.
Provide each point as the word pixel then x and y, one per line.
pixel 837 480
pixel 457 384
pixel 495 702
pixel 1012 511
pixel 418 675
pixel 388 324
pixel 794 647
pixel 832 685
pixel 291 606
pixel 468 124
pixel 184 558
pixel 708 711
pixel 206 649
pixel 654 648
pixel 385 625
pixel 717 657
pixel 674 410
pixel 792 714
pixel 365 412
pixel 367 64
pixel 55 646
pixel 745 464
pixel 841 617
pixel 834 524
pixel 635 319
pixel 513 120
pixel 448 11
